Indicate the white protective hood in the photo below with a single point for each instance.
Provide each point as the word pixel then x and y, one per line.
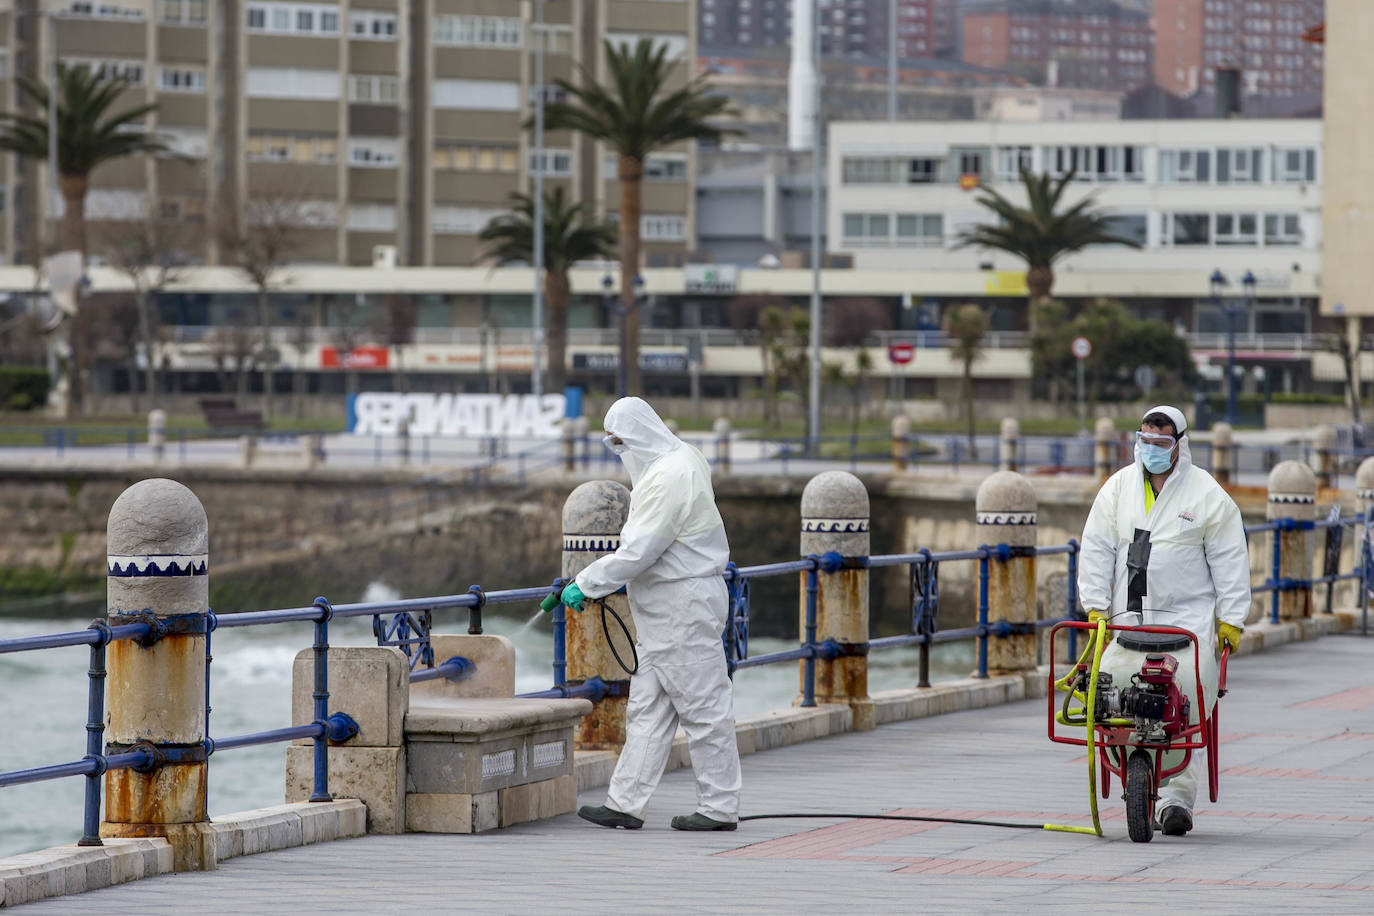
pixel 634 422
pixel 1199 568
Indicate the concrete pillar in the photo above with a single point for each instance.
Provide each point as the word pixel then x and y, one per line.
pixel 1104 447
pixel 1223 451
pixel 835 519
pixel 593 515
pixel 1009 445
pixel 721 429
pixel 1324 438
pixel 901 442
pixel 157 433
pixel 1293 494
pixel 1006 507
pixel 158 572
pixel 569 429
pixel 248 450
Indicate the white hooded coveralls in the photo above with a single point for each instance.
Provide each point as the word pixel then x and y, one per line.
pixel 1199 573
pixel 672 559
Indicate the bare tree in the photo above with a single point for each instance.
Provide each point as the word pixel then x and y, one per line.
pixel 397 329
pixel 301 341
pixel 1348 343
pixel 849 322
pixel 261 242
pixel 152 254
pixel 232 349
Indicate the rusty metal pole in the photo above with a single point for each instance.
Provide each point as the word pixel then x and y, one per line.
pixel 1104 444
pixel 901 437
pixel 1324 438
pixel 1223 446
pixel 593 515
pixel 835 527
pixel 1293 495
pixel 721 429
pixel 1009 444
pixel 1006 509
pixel 158 569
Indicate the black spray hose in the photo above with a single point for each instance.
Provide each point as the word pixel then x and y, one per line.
pixel 625 628
pixel 911 817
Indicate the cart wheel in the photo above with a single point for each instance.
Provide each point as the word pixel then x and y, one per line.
pixel 1140 790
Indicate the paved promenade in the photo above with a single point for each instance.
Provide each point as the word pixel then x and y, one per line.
pixel 1293 832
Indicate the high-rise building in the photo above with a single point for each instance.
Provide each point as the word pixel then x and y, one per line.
pixel 853 28
pixel 1261 38
pixel 390 124
pixel 1086 43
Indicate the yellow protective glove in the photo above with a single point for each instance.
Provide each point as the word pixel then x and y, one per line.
pixel 1228 635
pixel 1094 617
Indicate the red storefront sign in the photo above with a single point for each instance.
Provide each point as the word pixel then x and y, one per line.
pixel 357 358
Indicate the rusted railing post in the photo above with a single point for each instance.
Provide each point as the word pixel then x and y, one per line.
pixel 1006 508
pixel 593 515
pixel 834 527
pixel 901 442
pixel 158 569
pixel 1293 496
pixel 1223 452
pixel 1009 458
pixel 1104 448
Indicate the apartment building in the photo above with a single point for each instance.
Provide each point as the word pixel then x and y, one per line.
pixel 1087 43
pixel 853 28
pixel 393 127
pixel 1261 38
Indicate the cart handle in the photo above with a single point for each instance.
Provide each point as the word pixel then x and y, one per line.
pixel 1221 676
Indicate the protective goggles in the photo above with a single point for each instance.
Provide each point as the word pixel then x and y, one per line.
pixel 1156 439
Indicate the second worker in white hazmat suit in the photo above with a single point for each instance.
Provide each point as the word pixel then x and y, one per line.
pixel 672 559
pixel 1197 578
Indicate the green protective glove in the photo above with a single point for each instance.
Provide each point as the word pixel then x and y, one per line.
pixel 572 597
pixel 1228 635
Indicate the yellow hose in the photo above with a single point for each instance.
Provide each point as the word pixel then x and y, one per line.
pixel 1098 642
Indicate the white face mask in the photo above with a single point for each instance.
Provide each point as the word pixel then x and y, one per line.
pixel 617 447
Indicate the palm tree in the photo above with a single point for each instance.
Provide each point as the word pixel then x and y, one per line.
pixel 571 234
pixel 636 114
pixel 965 325
pixel 88 134
pixel 1040 233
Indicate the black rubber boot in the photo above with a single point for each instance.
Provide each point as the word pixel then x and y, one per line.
pixel 1175 820
pixel 699 821
pixel 609 817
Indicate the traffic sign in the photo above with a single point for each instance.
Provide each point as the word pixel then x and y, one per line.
pixel 901 353
pixel 1145 378
pixel 1081 348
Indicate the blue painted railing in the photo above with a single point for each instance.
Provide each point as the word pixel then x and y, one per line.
pixel 410 619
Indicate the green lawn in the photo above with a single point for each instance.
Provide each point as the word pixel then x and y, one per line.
pixel 33 428
pixel 882 428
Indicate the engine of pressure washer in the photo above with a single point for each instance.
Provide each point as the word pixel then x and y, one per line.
pixel 1152 699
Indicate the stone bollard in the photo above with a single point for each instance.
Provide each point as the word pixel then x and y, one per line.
pixel 901 442
pixel 1222 452
pixel 835 520
pixel 1009 445
pixel 372 685
pixel 1006 508
pixel 158 572
pixel 593 515
pixel 1104 444
pixel 721 429
pixel 1324 438
pixel 157 433
pixel 1293 495
pixel 248 450
pixel 569 429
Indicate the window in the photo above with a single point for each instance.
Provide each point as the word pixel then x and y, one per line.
pixel 282 147
pixel 129 70
pixel 373 152
pixel 866 170
pixel 181 79
pixel 1282 229
pixel 1184 229
pixel 1295 166
pixel 1011 160
pixel 374 89
pixel 191 142
pixel 676 44
pixel 478 31
pixel 475 158
pixel 372 24
pixel 1097 163
pixel 654 227
pixel 1236 229
pixel 665 168
pixel 867 229
pixel 557 39
pixel 452 220
pixel 291 83
pixel 924 230
pixel 1239 166
pixel 372 217
pixel 1129 225
pixel 1185 165
pixel 181 12
pixel 101 11
pixel 925 170
pixel 970 162
pixel 293 18
pixel 477 95
pixel 554 163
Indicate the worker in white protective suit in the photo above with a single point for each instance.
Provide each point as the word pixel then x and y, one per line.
pixel 672 559
pixel 1197 577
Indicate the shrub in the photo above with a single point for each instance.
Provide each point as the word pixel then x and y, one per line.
pixel 24 387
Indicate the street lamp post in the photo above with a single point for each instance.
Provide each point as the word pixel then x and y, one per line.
pixel 1218 282
pixel 536 373
pixel 622 311
pixel 813 414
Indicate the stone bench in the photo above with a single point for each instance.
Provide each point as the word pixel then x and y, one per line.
pixel 478 764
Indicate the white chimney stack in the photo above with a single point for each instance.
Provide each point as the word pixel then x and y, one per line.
pixel 801 77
